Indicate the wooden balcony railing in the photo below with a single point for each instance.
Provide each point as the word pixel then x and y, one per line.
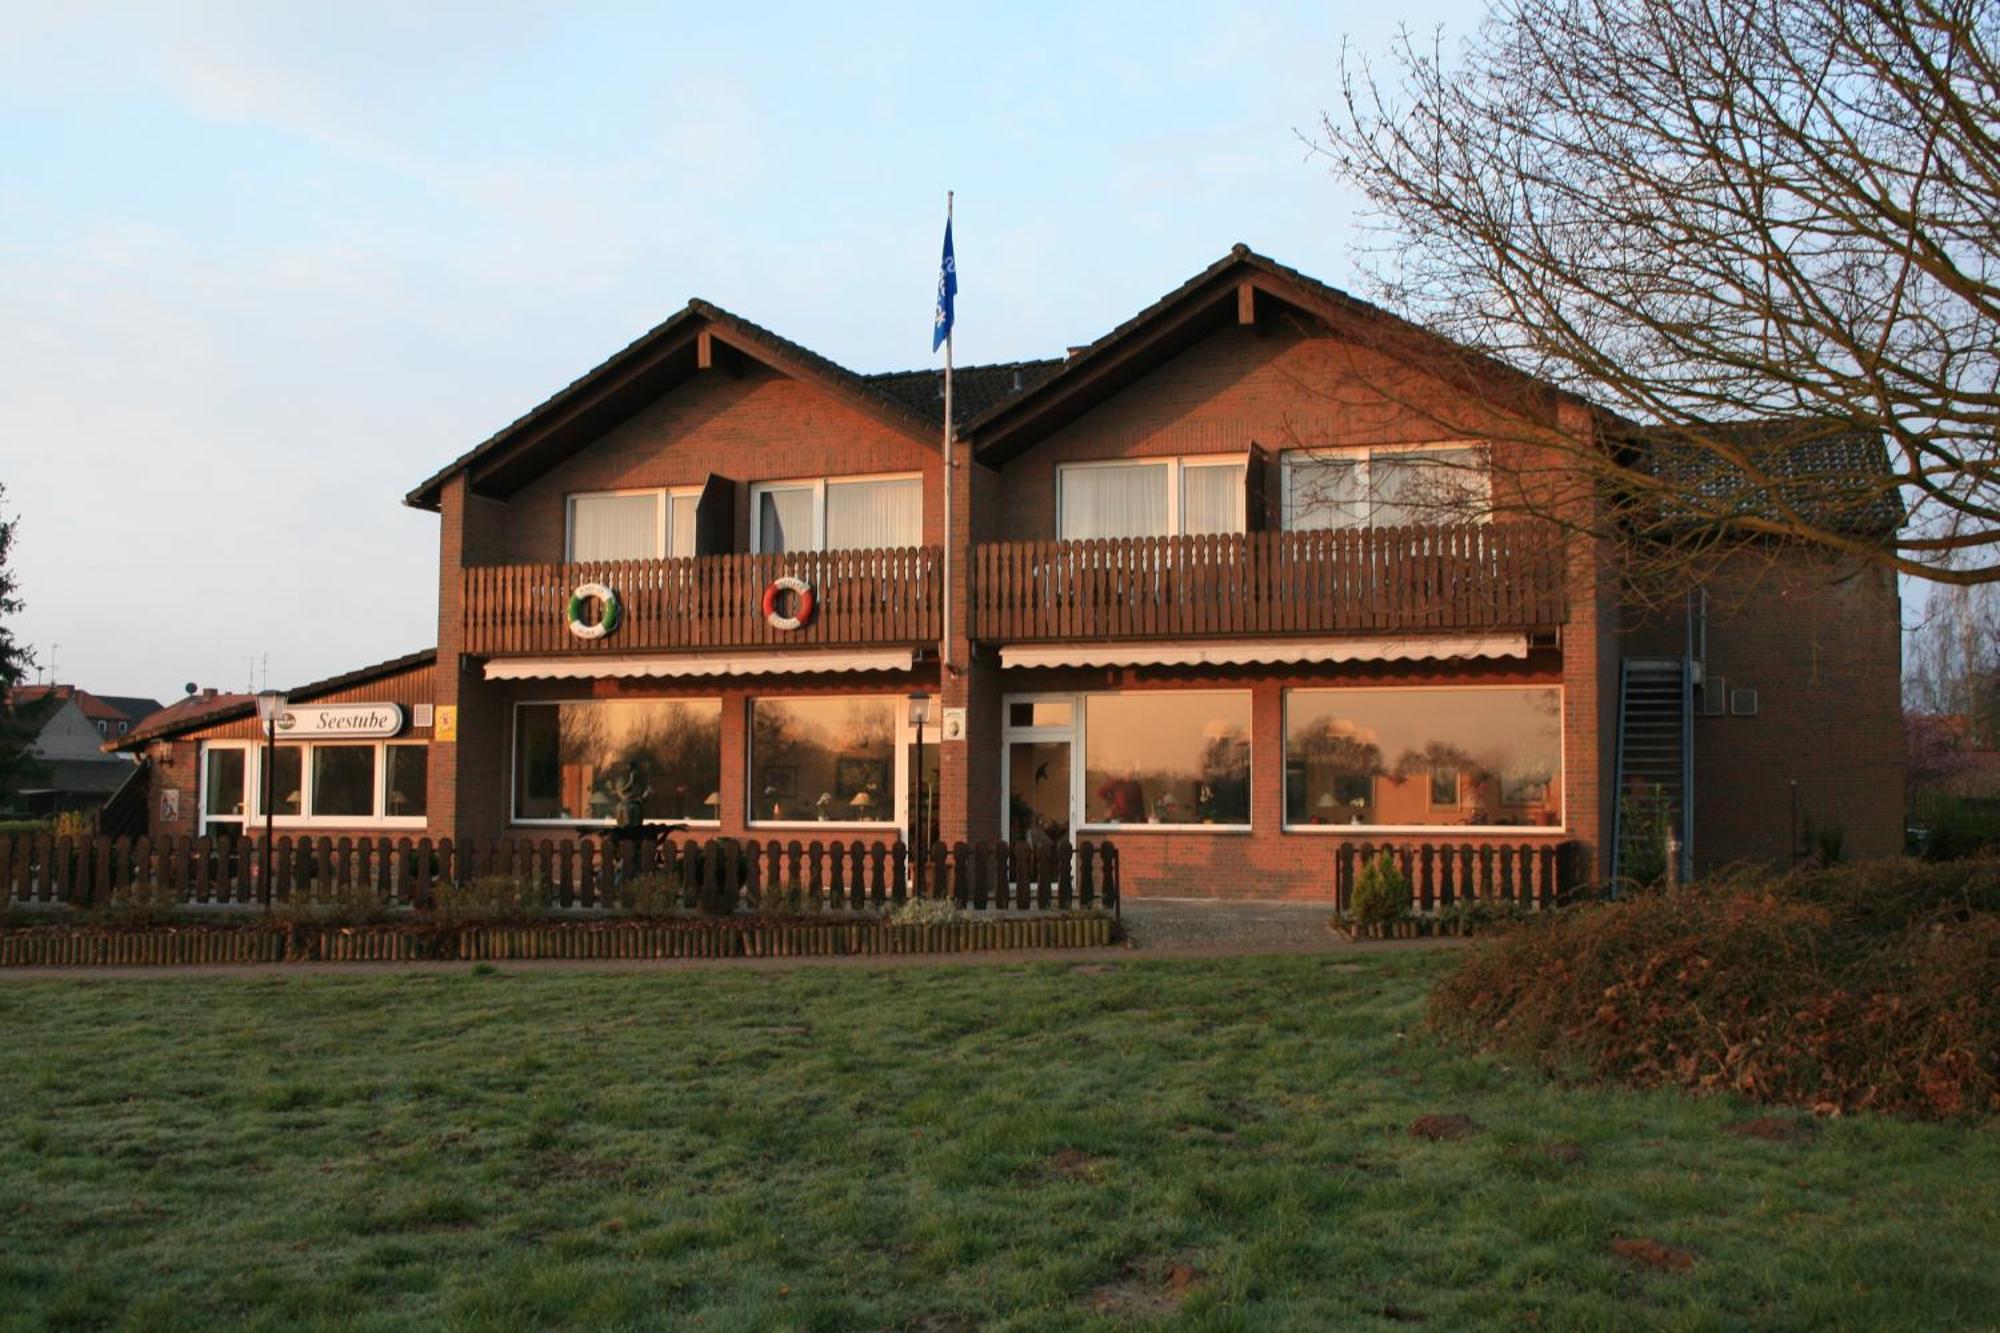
pixel 1484 576
pixel 862 597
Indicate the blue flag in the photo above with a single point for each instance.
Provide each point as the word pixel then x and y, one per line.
pixel 947 289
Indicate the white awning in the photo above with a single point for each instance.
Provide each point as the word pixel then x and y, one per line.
pixel 1385 648
pixel 592 666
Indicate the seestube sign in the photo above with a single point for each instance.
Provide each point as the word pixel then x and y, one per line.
pixel 334 721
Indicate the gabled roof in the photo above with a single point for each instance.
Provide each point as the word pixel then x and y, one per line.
pixel 975 390
pixel 96 707
pixel 1198 307
pixel 198 711
pixel 641 371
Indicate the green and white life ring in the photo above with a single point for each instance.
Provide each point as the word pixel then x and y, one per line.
pixel 579 607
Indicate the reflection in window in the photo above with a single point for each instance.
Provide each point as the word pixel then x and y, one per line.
pixel 1384 488
pixel 287 770
pixel 1396 757
pixel 1167 757
pixel 577 761
pixel 409 781
pixel 823 759
pixel 343 780
pixel 224 795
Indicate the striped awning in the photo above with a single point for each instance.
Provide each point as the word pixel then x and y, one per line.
pixel 1247 652
pixel 593 666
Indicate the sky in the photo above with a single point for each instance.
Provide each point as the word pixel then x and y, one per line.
pixel 267 266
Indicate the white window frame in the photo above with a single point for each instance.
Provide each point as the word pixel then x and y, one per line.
pixel 515 820
pixel 1558 784
pixel 1177 465
pixel 1076 733
pixel 238 822
pixel 818 487
pixel 906 736
pixel 662 535
pixel 253 782
pixel 1360 457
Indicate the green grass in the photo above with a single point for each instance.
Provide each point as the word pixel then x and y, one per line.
pixel 1020 1147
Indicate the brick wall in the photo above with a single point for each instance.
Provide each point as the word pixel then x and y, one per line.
pixel 756 425
pixel 1820 640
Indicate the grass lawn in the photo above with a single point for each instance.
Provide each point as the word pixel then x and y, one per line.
pixel 1223 1144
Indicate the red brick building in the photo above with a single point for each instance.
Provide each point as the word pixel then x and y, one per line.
pixel 1195 593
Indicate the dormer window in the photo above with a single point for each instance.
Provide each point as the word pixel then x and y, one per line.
pixel 837 514
pixel 632 525
pixel 1385 487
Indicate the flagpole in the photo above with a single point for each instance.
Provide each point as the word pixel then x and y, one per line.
pixel 944 653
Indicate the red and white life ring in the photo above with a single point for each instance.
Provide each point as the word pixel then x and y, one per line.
pixel 801 615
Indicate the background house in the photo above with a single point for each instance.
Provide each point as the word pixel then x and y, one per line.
pixel 79 774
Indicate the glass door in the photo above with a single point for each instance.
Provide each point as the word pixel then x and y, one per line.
pixel 1038 791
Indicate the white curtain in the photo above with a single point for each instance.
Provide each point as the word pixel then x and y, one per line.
pixel 865 515
pixel 1323 493
pixel 785 519
pixel 681 524
pixel 1212 499
pixel 1120 501
pixel 614 527
pixel 1437 486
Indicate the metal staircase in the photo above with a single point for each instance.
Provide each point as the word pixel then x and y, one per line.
pixel 1655 762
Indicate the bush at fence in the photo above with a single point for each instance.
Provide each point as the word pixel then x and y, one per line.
pixel 1381 893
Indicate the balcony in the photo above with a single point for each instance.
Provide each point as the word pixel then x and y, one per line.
pixel 1355 581
pixel 863 597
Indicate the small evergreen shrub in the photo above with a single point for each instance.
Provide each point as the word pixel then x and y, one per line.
pixel 1381 893
pixel 925 912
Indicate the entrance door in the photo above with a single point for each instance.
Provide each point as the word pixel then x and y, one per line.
pixel 1038 790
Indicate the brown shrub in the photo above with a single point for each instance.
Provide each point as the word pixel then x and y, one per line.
pixel 1873 986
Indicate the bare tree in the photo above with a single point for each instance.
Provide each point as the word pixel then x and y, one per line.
pixel 1765 231
pixel 1951 661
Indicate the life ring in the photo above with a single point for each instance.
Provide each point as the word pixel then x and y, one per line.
pixel 579 603
pixel 801 616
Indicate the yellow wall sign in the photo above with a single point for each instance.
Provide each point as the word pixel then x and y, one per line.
pixel 444 723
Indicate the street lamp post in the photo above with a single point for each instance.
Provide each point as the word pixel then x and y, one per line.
pixel 920 707
pixel 270 705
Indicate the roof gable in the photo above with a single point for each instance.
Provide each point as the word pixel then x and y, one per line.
pixel 1241 287
pixel 698 337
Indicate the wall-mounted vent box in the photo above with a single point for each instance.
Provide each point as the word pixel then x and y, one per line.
pixel 1743 703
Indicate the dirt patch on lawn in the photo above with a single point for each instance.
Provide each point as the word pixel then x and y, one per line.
pixel 1774 1129
pixel 1147 1287
pixel 1071 1164
pixel 1645 1252
pixel 1566 1151
pixel 1443 1128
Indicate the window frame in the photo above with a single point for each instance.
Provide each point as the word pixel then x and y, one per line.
pixel 906 736
pixel 253 786
pixel 1558 784
pixel 1361 456
pixel 818 486
pixel 662 518
pixel 1076 733
pixel 1178 466
pixel 516 820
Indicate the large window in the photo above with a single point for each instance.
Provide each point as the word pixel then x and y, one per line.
pixel 574 763
pixel 837 514
pixel 1166 757
pixel 341 784
pixel 1150 498
pixel 1422 757
pixel 824 760
pixel 632 525
pixel 1384 487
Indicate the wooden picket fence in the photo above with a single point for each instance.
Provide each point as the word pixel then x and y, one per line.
pixel 1528 873
pixel 716 874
